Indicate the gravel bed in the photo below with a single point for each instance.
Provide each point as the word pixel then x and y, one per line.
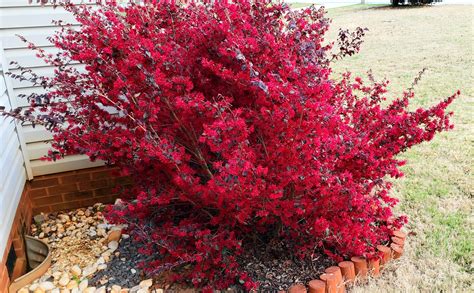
pixel 92 256
pixel 122 270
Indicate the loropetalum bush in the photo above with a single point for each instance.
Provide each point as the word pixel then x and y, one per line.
pixel 227 120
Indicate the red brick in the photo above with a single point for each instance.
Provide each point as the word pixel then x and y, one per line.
pixel 19 268
pixel 44 209
pixel 63 188
pixel 104 174
pixel 38 192
pixel 75 178
pixel 107 199
pixel 38 183
pixel 78 195
pixel 103 191
pixel 124 180
pixel 17 243
pixel 66 206
pixel 93 184
pixel 4 280
pixel 49 200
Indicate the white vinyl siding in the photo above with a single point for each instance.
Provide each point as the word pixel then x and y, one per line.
pixel 12 165
pixel 34 22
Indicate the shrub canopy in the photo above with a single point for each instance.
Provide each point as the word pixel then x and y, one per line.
pixel 227 119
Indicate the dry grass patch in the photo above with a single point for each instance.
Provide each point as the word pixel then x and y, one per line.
pixel 437 192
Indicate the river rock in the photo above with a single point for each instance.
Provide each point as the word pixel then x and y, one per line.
pixel 71 285
pixel 47 285
pixel 64 280
pixel 113 245
pixel 114 235
pixel 116 289
pixel 89 290
pixel 33 287
pixel 76 271
pixel 83 285
pixel 146 283
pixel 89 270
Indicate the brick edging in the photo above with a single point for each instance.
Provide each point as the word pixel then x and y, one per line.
pixel 357 269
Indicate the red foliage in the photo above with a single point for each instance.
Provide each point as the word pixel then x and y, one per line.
pixel 228 121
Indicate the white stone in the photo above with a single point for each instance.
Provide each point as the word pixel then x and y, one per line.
pixel 71 285
pixel 83 285
pixel 143 290
pixel 64 280
pixel 33 287
pixel 102 226
pixel 106 253
pixel 100 261
pixel 101 267
pixel 101 290
pixel 113 245
pixel 57 275
pixel 146 283
pixel 76 290
pixel 47 286
pixel 89 270
pixel 133 271
pixel 55 290
pixel 76 271
pixel 89 290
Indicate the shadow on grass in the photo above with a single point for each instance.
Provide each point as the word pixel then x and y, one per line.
pixel 401 7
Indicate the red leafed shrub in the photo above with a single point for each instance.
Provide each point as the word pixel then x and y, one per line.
pixel 227 119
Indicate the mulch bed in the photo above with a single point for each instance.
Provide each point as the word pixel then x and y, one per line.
pixel 276 268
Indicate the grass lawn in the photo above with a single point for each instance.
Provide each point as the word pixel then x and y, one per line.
pixel 299 5
pixel 437 191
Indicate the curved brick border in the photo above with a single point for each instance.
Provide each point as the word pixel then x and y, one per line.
pixel 350 272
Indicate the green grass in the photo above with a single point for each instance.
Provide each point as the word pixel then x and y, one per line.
pixel 299 5
pixel 437 190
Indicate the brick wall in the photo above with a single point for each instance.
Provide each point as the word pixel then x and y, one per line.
pixel 55 192
pixel 21 225
pixel 74 189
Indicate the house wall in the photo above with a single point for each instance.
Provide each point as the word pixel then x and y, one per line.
pixel 12 171
pixel 29 185
pixel 34 22
pixel 20 226
pixel 51 193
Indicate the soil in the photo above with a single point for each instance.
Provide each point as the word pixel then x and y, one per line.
pixel 275 268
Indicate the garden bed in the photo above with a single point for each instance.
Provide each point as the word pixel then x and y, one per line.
pixel 85 253
pixel 91 255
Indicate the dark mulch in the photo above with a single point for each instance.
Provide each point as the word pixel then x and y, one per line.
pixel 275 267
pixel 119 268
